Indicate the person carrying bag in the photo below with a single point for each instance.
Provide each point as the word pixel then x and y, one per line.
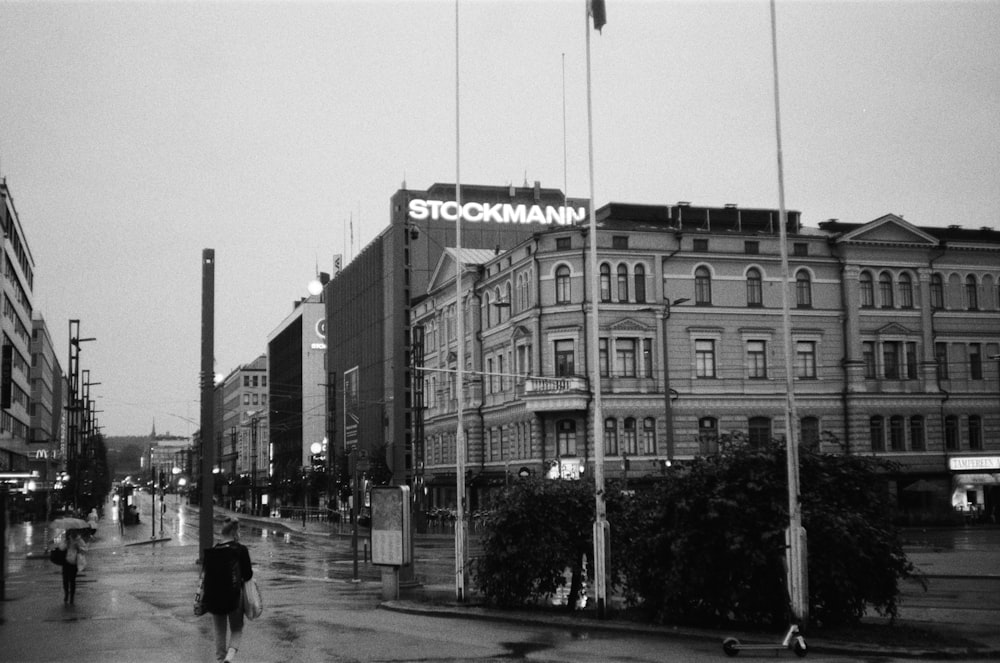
pixel 226 568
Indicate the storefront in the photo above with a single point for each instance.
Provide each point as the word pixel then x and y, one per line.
pixel 976 487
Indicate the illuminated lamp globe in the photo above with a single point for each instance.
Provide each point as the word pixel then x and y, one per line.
pixel 315 447
pixel 315 287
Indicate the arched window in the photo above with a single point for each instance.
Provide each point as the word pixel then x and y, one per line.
pixel 951 433
pixel 640 284
pixel 755 291
pixel 809 432
pixel 866 290
pixel 971 293
pixel 702 286
pixel 905 287
pixel 937 291
pixel 876 431
pixel 566 438
pixel 562 285
pixel 649 436
pixel 622 283
pixel 605 282
pixel 917 433
pixel 803 289
pixel 759 431
pixel 508 298
pixel 488 307
pixel 897 436
pixel 708 435
pixel 885 289
pixel 631 441
pixel 611 436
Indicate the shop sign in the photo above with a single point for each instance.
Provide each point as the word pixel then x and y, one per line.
pixel 966 463
pixel 977 479
pixel 421 210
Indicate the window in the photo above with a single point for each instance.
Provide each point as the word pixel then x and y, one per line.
pixel 975 361
pixel 937 291
pixel 246 380
pixel 708 435
pixel 566 438
pixel 910 350
pixel 649 436
pixel 756 359
pixel 630 437
pixel 647 358
pixel 605 282
pixel 951 433
pixel 885 289
pixel 640 284
pixel 800 249
pixel 755 291
pixel 917 433
pixel 508 299
pixel 890 360
pixel 562 285
pixel 246 399
pixel 625 357
pixel 971 293
pixel 622 283
pixel 563 244
pixel 490 376
pixel 488 306
pixel 803 289
pixel 941 356
pixel 809 431
pixel 866 290
pixel 805 359
pixel 759 431
pixel 975 432
pixel 564 358
pixel 611 436
pixel 751 247
pixel 876 430
pixel 702 286
pixel 700 245
pixel 897 439
pixel 619 241
pixel 905 287
pixel 602 345
pixel 704 358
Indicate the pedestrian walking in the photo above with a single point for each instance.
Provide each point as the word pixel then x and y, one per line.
pixel 227 566
pixel 75 561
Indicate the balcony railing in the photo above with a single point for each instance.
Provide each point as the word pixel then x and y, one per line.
pixel 546 394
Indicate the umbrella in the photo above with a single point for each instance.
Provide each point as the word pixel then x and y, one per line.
pixel 70 523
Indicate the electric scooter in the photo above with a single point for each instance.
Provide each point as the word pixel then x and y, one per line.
pixel 793 640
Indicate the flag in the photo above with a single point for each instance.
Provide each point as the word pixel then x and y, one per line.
pixel 598 13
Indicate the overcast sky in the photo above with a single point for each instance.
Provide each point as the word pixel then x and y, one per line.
pixel 134 135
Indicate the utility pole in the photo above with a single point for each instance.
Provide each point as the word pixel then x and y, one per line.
pixel 206 511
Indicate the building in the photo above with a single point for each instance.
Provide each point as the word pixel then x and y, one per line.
pixel 891 328
pixel 16 325
pixel 48 394
pixel 296 397
pixel 245 459
pixel 370 402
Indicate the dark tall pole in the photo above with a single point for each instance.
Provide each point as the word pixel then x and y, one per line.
pixel 205 512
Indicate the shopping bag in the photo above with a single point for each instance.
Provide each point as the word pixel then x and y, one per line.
pixel 199 603
pixel 252 603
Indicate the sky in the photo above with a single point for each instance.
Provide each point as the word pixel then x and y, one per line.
pixel 133 135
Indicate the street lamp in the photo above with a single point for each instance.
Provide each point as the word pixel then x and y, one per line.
pixel 668 408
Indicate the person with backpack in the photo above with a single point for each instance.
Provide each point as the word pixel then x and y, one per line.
pixel 226 566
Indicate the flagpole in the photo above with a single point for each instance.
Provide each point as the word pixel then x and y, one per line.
pixel 797 567
pixel 601 527
pixel 461 573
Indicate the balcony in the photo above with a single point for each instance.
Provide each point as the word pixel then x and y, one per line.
pixel 557 394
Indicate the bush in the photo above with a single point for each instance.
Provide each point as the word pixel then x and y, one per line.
pixel 538 529
pixel 706 545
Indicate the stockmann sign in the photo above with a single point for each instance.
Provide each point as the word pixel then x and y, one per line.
pixel 421 210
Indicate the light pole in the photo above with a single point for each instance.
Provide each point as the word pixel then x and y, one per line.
pixel 74 406
pixel 668 407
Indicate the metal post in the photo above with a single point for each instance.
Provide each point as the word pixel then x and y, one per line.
pixel 152 493
pixel 668 406
pixel 206 509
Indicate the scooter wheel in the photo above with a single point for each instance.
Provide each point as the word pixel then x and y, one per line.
pixel 799 647
pixel 731 646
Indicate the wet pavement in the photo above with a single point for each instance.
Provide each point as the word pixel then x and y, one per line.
pixel 134 600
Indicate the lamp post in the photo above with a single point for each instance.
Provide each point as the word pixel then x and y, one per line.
pixel 668 408
pixel 74 406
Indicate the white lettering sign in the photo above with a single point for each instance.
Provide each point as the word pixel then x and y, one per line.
pixel 981 463
pixel 421 210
